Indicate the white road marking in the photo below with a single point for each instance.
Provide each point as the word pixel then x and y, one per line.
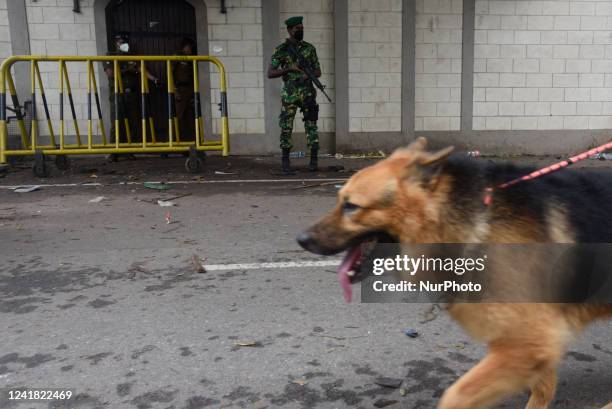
pixel 181 182
pixel 279 264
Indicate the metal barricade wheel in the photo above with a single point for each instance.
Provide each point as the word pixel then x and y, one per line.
pixel 62 162
pixel 194 165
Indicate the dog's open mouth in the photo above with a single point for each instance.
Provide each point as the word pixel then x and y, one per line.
pixel 351 269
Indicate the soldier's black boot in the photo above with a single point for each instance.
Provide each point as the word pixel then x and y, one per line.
pixel 313 166
pixel 286 163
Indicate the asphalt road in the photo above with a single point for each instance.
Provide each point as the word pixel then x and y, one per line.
pixel 104 299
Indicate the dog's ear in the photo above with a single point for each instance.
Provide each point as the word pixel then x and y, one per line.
pixel 430 165
pixel 419 144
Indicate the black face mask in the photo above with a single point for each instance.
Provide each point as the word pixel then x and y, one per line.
pixel 299 35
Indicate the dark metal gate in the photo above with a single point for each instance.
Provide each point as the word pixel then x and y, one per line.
pixel 155 27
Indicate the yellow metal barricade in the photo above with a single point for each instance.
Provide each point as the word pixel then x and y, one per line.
pixel 108 144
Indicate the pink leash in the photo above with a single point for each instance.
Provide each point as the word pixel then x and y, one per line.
pixel 488 198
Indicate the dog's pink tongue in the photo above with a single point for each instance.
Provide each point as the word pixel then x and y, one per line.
pixel 349 261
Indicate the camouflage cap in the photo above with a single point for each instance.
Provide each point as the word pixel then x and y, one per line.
pixel 294 21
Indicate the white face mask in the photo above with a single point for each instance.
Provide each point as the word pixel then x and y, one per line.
pixel 125 47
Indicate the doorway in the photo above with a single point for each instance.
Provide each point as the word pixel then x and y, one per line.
pixel 155 27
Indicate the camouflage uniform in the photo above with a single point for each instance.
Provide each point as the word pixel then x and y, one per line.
pixel 297 93
pixel 129 102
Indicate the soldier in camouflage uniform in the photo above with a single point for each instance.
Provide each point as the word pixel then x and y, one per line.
pixel 298 91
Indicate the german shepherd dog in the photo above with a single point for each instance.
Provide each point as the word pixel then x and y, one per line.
pixel 417 196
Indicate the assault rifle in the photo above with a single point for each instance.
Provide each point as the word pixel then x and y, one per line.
pixel 305 66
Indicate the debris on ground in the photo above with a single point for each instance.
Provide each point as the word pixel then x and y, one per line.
pixel 338 186
pixel 164 203
pixel 97 199
pixel 411 332
pixel 247 344
pixel 602 156
pixel 473 154
pixel 298 154
pixel 383 403
pixel 403 392
pixel 304 186
pixel 199 267
pixel 300 382
pixel 167 217
pixel 156 185
pixel 389 382
pixel 218 172
pixel 431 314
pixel 26 189
pixel 136 268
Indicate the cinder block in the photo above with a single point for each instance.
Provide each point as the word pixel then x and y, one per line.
pixel 437 66
pixel 552 66
pixel 499 94
pixel 227 32
pixel 242 79
pixel 577 94
pixel 551 94
pixel 603 9
pixel 550 122
pixel 602 37
pixel 361 19
pixel 388 79
pixel 601 94
pixel 580 37
pixel 241 15
pixel 581 8
pixel 242 48
pixel 590 80
pixel 563 108
pixel 499 65
pixel 514 22
pixel 498 123
pixel 575 122
pixel 425 109
pixel 537 108
pixel 528 8
pixel 448 109
pixel 384 19
pixel 539 51
pixel 540 22
pixel 437 7
pixel 567 23
pixel 592 52
pixel 427 51
pixel 436 94
pixel 448 80
pixel 449 51
pixel 606 108
pixel 75 31
pixel 374 34
pixel 553 37
pixel 479 94
pixel 361 110
pixel 500 37
pixel 600 122
pixel 485 108
pixel 526 65
pixel 526 37
pixel 566 51
pixel 524 123
pixel 375 5
pixel 55 14
pixel 593 23
pixel 44 32
pixel 253 95
pixel 603 66
pixel 375 94
pixel 525 94
pixel 362 80
pixel 512 80
pixel 513 51
pixel 565 80
pixel 387 109
pixel 502 7
pixel 486 51
pixel 389 50
pixel 487 22
pixel 486 80
pixel 511 108
pixel 61 47
pixel 589 108
pixel 580 66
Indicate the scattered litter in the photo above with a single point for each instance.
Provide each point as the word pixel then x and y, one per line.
pixel 163 203
pixel 431 314
pixel 339 156
pixel 298 154
pixel 247 344
pixel 411 332
pixel 156 186
pixel 199 268
pixel 198 178
pixel 300 382
pixel 389 382
pixel 602 156
pixel 167 218
pixel 383 403
pixel 93 176
pixel 403 392
pixel 338 186
pixel 136 268
pixel 381 153
pixel 97 199
pixel 459 346
pixel 314 185
pixel 473 154
pixel 218 172
pixel 26 189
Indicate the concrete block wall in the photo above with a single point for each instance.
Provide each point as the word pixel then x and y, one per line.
pixel 438 64
pixel 543 65
pixel 5 35
pixel 375 52
pixel 319 31
pixel 236 38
